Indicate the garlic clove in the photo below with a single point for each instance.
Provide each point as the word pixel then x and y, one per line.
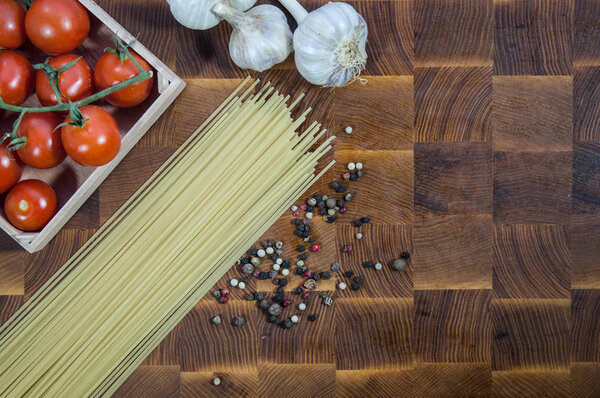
pixel 261 37
pixel 329 45
pixel 198 14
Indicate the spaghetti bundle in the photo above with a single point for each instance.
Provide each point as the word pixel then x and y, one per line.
pixel 88 328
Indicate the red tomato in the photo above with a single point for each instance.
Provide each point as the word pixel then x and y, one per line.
pixel 11 170
pixel 44 146
pixel 30 205
pixel 16 78
pixel 75 83
pixel 57 26
pixel 12 24
pixel 110 71
pixel 97 142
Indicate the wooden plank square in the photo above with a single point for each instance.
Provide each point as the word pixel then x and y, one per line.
pixel 531 384
pixel 453 32
pixel 453 178
pixel 585 330
pixel 585 380
pixel 586 178
pixel 586 32
pixel 533 37
pixel 380 243
pixel 41 265
pixel 129 175
pixel 296 381
pixel 453 252
pixel 200 384
pixel 374 384
pixel 379 112
pixel 204 346
pixel 151 382
pixel 374 334
pixel 392 171
pixel 585 249
pixel 533 113
pixel 391 38
pixel 88 215
pixel 531 333
pixel 434 380
pixel 452 326
pixel 532 261
pixel 453 104
pixel 8 306
pixel 166 353
pixel 308 342
pixel 12 267
pixel 532 188
pixel 586 104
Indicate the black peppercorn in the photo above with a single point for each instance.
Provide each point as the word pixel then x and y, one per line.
pixel 249 297
pixel 271 319
pixel 298 233
pixel 311 239
pixel 302 257
pixel 353 177
pixel 321 204
pixel 335 185
pixel 309 208
pixel 278 298
pixel 342 189
pixel 316 276
pixel 340 203
pixel 355 286
pixel 283 282
pixel 263 275
pixel 365 220
pixel 318 197
pixel 357 223
pixel 244 260
pixel 297 221
pixel 349 274
pixel 279 290
pixel 263 244
pixel 312 317
pixel 273 256
pixel 298 291
pixel 301 248
pixel 305 234
pixel 245 280
pixel 405 255
pixel 258 296
pixel 368 264
pixel 325 275
pixel 270 243
pixel 360 173
pixel 358 279
pixel 288 324
pixel 253 252
pixel 299 271
pixel 285 264
pixel 322 212
pixel 330 220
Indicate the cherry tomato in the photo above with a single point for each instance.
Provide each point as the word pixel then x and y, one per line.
pixel 30 205
pixel 97 142
pixel 57 26
pixel 44 146
pixel 75 83
pixel 12 24
pixel 16 77
pixel 11 170
pixel 110 71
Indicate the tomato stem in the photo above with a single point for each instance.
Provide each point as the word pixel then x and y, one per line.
pixel 27 3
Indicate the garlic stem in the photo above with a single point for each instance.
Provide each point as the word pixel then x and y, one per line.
pixel 297 11
pixel 236 18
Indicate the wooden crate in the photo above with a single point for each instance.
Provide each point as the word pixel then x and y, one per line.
pixel 72 182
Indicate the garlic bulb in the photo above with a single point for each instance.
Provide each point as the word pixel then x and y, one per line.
pixel 197 14
pixel 261 36
pixel 329 43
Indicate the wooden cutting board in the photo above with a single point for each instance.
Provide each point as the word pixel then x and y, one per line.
pixel 479 131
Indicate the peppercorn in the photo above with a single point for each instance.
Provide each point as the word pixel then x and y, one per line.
pixel 239 321
pixel 273 256
pixel 316 276
pixel 271 319
pixel 302 257
pixel 245 280
pixel 216 320
pixel 300 263
pixel 358 279
pixel 340 203
pixel 295 319
pixel 360 173
pixel 264 304
pixel 253 252
pixel 346 176
pixel 342 189
pixel 279 290
pixel 278 298
pixel 335 266
pixel 378 266
pixel 355 286
pixel 298 233
pixel 299 271
pixel 359 235
pixel 283 282
pixel 258 296
pixel 305 234
pixel 405 255
pixel 312 317
pixel 298 291
pixel 330 220
pixel 217 294
pixel 297 221
pixel 368 264
pixel 250 297
pixel 285 264
pixel 301 248
pixel 365 220
pixel 275 309
pixel 347 248
pixel 318 197
pixel 286 302
pixel 357 223
pixel 222 300
pixel 328 300
pixel 263 275
pixel 287 324
pixel 335 185
pixel 272 274
pixel 399 264
pixel 348 274
pixel 224 292
pixel 325 275
pixel 323 294
pixel 330 203
pixel 311 201
pixel 244 260
pixel 255 261
pixel 330 212
pixel 309 209
pixel 341 285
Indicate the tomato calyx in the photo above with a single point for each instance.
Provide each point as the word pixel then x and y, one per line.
pixel 15 140
pixel 75 113
pixel 121 50
pixel 53 73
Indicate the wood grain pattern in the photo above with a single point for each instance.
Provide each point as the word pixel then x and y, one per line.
pixel 533 37
pixel 453 104
pixel 541 384
pixel 517 325
pixel 532 261
pixel 453 178
pixel 532 188
pixel 531 113
pixel 479 130
pixel 452 380
pixel 453 32
pixel 452 326
pixel 453 252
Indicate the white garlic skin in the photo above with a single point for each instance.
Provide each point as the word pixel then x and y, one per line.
pixel 263 42
pixel 197 14
pixel 329 45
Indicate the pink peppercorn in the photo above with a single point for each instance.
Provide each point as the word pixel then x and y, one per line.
pixel 286 302
pixel 343 210
pixel 224 292
pixel 347 248
pixel 276 281
pixel 308 274
pixel 256 273
pixel 303 207
pixel 296 213
pixel 305 221
pixel 305 296
pixel 315 248
pixel 222 299
pixel 346 176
